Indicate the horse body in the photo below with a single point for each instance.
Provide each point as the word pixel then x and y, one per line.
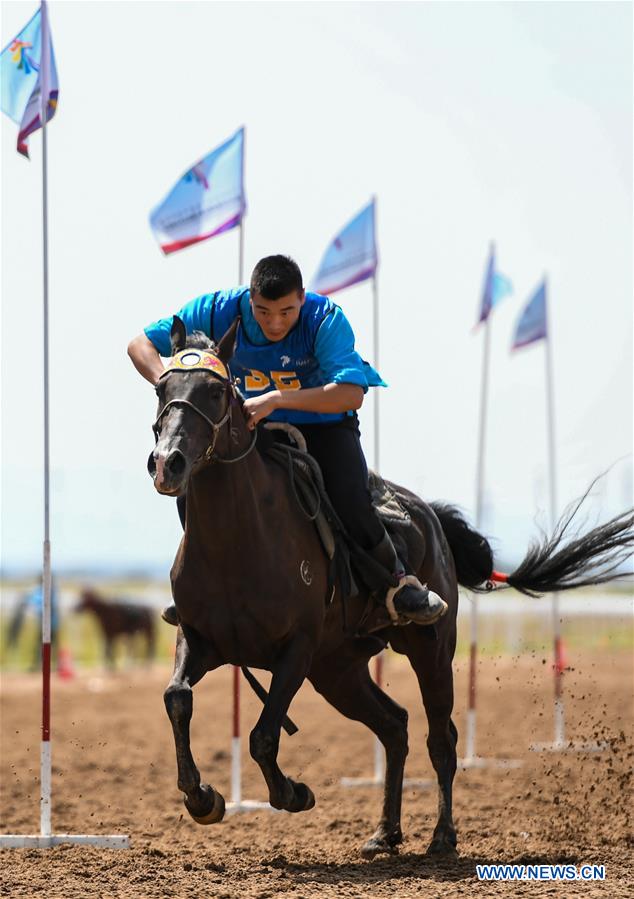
pixel 206 576
pixel 250 586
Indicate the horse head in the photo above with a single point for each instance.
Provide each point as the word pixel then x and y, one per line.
pixel 196 397
pixel 88 599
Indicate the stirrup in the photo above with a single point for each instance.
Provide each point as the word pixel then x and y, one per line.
pixel 410 580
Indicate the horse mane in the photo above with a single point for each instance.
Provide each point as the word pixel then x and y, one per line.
pixel 198 340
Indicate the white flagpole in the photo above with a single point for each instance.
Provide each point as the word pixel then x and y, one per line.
pixel 471 758
pixel 379 753
pixel 470 739
pixel 237 803
pixel 236 740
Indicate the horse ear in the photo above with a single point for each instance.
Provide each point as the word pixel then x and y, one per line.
pixel 227 345
pixel 178 335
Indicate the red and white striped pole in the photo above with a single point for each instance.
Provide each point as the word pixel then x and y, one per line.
pixel 559 743
pixel 237 803
pixel 46 838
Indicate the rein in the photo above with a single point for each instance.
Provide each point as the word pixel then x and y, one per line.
pixel 216 426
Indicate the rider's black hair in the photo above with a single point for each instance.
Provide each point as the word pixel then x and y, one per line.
pixel 275 277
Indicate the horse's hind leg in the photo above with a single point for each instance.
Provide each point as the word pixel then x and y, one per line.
pixel 288 676
pixel 346 683
pixel 435 678
pixel 204 804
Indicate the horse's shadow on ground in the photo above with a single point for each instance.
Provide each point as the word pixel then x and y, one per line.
pixel 403 866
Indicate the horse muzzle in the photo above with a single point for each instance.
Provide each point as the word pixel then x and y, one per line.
pixel 169 470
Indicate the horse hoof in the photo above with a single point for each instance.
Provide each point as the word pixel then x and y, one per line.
pixel 215 806
pixel 303 798
pixel 382 843
pixel 441 849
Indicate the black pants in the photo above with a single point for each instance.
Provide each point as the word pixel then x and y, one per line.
pixel 337 448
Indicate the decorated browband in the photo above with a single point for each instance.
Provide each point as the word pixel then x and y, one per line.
pixel 192 360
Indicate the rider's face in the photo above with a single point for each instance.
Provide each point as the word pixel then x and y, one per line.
pixel 277 317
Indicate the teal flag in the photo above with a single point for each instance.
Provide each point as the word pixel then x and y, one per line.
pixel 495 288
pixel 28 73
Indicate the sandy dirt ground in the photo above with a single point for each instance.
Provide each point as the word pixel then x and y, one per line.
pixel 114 772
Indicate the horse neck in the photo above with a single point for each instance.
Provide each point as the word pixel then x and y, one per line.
pixel 222 498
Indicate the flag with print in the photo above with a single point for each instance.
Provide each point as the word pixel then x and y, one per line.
pixel 28 74
pixel 531 325
pixel 351 257
pixel 208 199
pixel 495 288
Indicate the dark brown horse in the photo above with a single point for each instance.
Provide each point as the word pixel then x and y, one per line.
pixel 120 619
pixel 250 585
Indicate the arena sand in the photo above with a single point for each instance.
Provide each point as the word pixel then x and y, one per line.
pixel 114 772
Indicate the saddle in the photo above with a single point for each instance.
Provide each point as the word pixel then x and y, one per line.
pixel 287 447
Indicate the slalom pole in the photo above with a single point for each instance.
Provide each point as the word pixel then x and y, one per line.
pixel 379 752
pixel 45 749
pixel 378 777
pixel 237 803
pixel 559 743
pixel 559 718
pixel 471 759
pixel 236 743
pixel 46 838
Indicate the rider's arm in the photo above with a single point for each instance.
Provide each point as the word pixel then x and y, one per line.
pixel 145 358
pixel 146 350
pixel 329 398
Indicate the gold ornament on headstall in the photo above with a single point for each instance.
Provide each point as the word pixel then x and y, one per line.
pixel 196 360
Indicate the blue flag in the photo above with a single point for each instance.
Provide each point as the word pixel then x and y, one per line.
pixel 208 199
pixel 496 286
pixel 351 257
pixel 28 73
pixel 531 325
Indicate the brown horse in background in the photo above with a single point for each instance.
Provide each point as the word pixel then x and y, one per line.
pixel 250 584
pixel 120 619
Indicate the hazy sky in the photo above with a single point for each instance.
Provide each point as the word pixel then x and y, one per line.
pixel 471 122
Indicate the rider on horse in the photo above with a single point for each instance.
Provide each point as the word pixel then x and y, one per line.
pixel 296 362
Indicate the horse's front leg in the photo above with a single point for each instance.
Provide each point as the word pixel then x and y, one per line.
pixel 288 676
pixel 192 661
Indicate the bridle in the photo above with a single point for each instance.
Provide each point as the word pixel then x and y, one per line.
pixel 202 360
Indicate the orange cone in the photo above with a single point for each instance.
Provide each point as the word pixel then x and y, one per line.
pixel 65 668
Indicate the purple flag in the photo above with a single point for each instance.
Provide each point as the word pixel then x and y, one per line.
pixel 208 199
pixel 531 325
pixel 351 257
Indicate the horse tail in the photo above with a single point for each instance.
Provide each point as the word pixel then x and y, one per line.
pixel 471 551
pixel 554 564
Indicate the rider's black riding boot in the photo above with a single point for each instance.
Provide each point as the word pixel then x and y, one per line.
pixel 410 600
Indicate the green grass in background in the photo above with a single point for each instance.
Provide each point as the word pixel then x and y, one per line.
pixel 497 635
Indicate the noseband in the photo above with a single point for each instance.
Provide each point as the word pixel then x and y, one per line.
pixel 200 360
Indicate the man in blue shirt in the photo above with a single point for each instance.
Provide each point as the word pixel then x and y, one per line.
pixel 296 362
